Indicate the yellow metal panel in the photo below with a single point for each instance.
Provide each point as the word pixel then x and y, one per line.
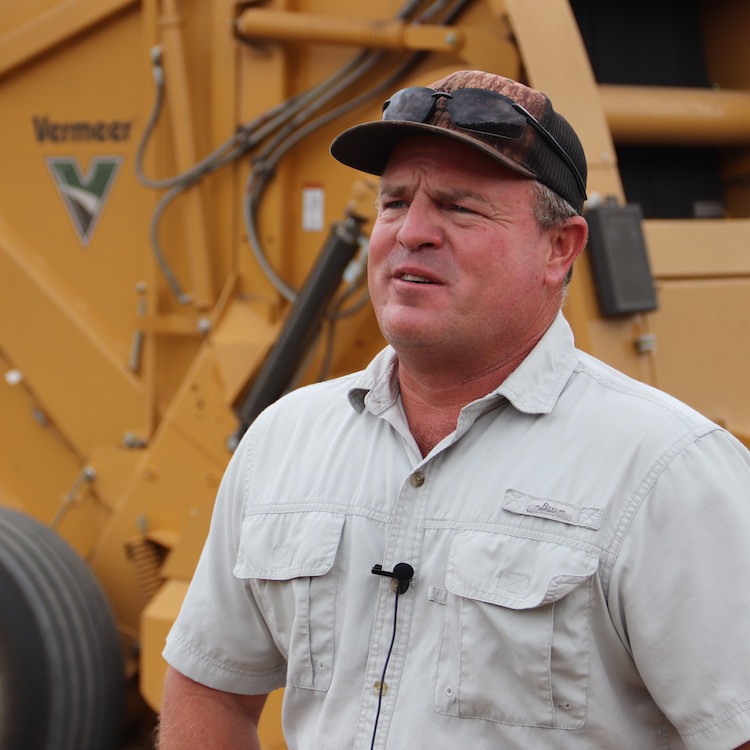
pixel 269 728
pixel 27 443
pixel 80 384
pixel 702 269
pixel 702 329
pixel 58 23
pixel 174 481
pixel 240 343
pixel 556 62
pixel 182 112
pixel 695 248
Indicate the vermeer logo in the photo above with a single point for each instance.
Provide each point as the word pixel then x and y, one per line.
pixel 46 129
pixel 84 194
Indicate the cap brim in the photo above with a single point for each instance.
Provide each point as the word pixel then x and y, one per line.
pixel 368 146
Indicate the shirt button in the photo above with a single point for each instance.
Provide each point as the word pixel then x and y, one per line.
pixel 416 479
pixel 376 688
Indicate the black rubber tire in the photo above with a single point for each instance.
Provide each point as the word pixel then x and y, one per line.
pixel 62 684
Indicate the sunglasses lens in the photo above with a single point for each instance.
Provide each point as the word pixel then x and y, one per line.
pixel 485 112
pixel 414 104
pixel 476 110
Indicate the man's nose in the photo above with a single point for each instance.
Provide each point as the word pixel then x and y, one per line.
pixel 420 227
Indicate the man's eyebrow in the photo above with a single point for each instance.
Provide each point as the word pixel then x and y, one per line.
pixel 458 195
pixel 390 189
pixel 445 195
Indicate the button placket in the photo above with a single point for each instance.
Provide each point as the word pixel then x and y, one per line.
pixel 402 545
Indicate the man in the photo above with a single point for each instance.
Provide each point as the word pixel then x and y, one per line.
pixel 560 553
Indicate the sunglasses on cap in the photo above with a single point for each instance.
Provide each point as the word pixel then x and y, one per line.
pixel 478 111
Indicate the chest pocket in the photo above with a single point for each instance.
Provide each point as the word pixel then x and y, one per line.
pixel 515 638
pixel 288 560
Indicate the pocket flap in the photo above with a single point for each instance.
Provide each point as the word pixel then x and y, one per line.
pixel 516 572
pixel 281 546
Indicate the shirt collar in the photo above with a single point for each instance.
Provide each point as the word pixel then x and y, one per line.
pixel 377 387
pixel 533 387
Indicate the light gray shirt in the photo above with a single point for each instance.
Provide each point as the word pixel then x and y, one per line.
pixel 581 548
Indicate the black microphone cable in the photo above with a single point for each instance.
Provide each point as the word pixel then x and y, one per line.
pixel 385 667
pixel 402 574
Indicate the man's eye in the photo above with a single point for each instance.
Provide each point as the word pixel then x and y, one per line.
pixel 393 204
pixel 461 209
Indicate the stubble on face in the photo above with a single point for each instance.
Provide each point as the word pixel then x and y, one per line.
pixel 456 256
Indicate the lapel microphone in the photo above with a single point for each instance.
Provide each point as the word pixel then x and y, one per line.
pixel 402 572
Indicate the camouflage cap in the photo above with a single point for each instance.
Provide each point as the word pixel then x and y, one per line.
pixel 551 154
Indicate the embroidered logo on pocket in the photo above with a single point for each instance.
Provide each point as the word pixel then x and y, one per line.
pixel 545 507
pixel 552 508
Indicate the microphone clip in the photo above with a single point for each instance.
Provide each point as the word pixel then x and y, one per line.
pixel 402 573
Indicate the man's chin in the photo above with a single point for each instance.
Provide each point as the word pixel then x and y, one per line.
pixel 426 342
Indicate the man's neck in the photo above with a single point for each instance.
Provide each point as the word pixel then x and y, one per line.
pixel 436 384
pixel 432 402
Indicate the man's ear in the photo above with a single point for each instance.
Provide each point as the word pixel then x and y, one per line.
pixel 566 244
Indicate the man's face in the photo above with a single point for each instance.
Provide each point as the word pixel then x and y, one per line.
pixel 458 267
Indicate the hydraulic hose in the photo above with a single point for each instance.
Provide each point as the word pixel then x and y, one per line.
pixel 303 321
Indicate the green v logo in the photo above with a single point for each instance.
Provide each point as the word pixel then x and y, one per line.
pixel 84 195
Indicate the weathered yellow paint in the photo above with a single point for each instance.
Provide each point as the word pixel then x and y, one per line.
pixel 109 371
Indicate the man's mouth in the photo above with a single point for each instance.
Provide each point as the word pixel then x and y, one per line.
pixel 415 279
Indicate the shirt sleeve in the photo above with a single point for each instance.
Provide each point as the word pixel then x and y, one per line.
pixel 220 638
pixel 680 591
